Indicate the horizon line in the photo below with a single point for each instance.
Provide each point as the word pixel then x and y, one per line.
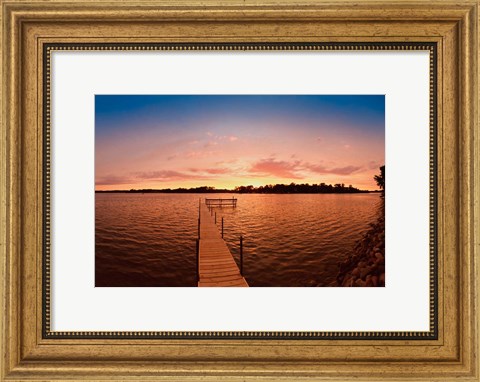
pixel 235 189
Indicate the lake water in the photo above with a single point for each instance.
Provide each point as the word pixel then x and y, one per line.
pixel 148 240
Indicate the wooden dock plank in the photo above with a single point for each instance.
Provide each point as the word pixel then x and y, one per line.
pixel 212 274
pixel 222 278
pixel 235 283
pixel 212 269
pixel 219 271
pixel 217 267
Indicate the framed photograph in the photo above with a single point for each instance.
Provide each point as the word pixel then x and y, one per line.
pixel 236 191
pixel 233 160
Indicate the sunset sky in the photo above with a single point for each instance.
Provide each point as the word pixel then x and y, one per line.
pixel 224 141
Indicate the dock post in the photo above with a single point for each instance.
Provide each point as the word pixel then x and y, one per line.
pixel 215 218
pixel 222 227
pixel 198 260
pixel 241 255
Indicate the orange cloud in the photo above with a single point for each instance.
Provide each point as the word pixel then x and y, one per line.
pixel 283 169
pixel 212 171
pixel 319 169
pixel 280 169
pixel 111 180
pixel 163 175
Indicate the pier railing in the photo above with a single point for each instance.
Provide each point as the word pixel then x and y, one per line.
pixel 221 202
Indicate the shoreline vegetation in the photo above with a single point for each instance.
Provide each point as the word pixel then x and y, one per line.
pixel 291 188
pixel 365 267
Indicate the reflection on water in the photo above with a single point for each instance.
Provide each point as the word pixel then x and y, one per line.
pixel 289 240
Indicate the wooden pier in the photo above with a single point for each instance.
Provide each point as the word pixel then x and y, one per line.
pixel 216 265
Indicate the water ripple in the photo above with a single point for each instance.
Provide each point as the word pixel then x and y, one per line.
pixel 289 240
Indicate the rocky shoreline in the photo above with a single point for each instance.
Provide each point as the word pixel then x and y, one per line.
pixel 365 267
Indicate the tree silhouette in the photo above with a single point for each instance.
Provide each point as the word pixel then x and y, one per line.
pixel 380 179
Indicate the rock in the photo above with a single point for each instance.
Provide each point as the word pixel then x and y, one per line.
pixel 359 283
pixel 366 264
pixel 364 272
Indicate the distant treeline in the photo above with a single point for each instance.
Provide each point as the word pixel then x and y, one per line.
pixel 292 188
pixel 305 188
pixel 196 190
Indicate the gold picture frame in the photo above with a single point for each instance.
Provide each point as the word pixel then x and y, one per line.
pixel 32 28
